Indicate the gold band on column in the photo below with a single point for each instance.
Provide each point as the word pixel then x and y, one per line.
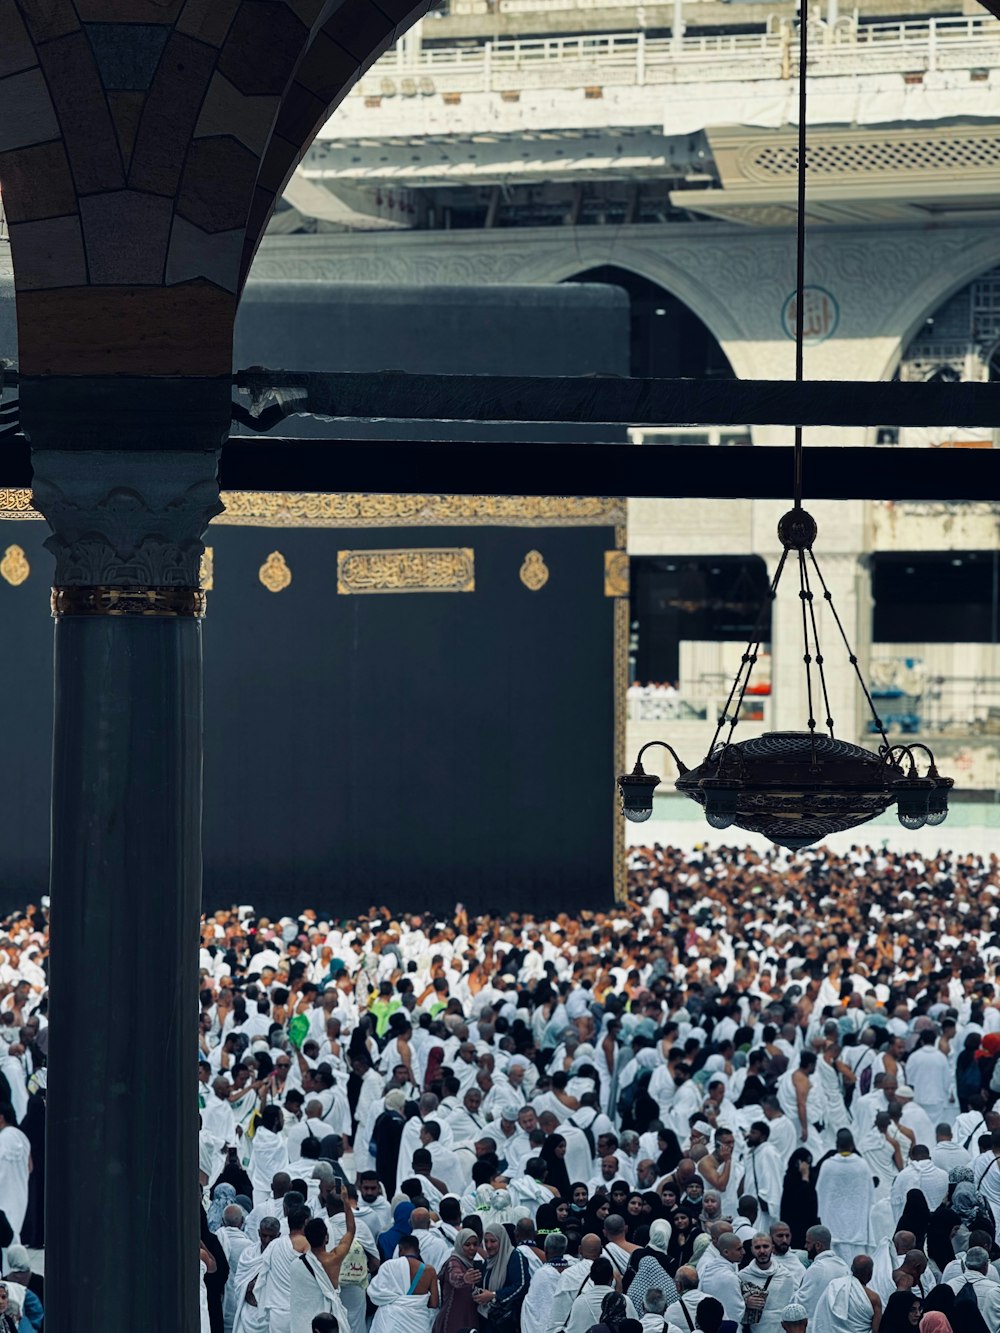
pixel 177 603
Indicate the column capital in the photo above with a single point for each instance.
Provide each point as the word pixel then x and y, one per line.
pixel 126 528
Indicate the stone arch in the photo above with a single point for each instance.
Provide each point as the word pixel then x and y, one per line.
pixel 143 144
pixel 937 288
pixel 675 279
pixel 668 339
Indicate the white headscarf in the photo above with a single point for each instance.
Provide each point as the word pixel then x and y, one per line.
pixel 462 1238
pixel 495 1274
pixel 659 1235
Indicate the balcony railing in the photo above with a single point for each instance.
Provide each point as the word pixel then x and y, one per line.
pixel 912 700
pixel 665 706
pixel 636 60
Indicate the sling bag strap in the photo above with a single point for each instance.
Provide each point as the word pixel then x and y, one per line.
pixel 982 1124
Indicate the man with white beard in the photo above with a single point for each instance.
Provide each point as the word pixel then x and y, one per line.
pixel 468 1122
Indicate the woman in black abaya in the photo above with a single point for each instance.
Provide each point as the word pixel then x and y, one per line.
pixel 799 1207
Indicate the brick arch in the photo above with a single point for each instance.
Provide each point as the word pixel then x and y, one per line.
pixel 352 37
pixel 143 145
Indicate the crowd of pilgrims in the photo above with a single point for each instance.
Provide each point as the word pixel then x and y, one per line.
pixel 758 1095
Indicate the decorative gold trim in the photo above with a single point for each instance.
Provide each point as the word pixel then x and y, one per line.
pixel 298 509
pixel 620 634
pixel 620 678
pixel 274 573
pixel 372 510
pixel 14 566
pixel 534 571
pixel 206 572
pixel 178 603
pixel 616 574
pixel 417 569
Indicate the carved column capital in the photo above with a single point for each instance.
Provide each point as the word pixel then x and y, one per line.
pixel 126 528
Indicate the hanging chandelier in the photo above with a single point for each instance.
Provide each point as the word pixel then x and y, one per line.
pixel 797 787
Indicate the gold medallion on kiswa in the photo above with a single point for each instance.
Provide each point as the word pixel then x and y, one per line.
pixel 418 569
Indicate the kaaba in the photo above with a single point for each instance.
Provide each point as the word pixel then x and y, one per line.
pixel 410 700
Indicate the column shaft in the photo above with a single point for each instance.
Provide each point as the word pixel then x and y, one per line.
pixel 122 1147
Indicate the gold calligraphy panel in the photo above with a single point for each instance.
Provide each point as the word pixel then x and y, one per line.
pixel 362 509
pixel 288 509
pixel 418 569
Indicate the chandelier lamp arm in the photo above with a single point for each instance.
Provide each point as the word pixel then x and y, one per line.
pixel 681 766
pixel 932 771
pixel 889 752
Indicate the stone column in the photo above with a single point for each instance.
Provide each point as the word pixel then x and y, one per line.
pixel 126 884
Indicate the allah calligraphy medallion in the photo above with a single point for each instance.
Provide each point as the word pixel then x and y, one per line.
pixel 274 573
pixel 14 566
pixel 534 571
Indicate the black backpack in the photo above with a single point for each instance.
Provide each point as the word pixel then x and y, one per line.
pixel 967 1297
pixel 635 1101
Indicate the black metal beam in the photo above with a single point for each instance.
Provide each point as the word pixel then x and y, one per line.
pixel 634 402
pixel 463 468
pixel 474 468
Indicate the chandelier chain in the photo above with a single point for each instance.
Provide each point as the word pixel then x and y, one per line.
pixel 851 655
pixel 806 655
pixel 747 663
pixel 811 602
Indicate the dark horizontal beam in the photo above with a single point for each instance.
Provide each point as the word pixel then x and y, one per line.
pixel 632 402
pixel 703 471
